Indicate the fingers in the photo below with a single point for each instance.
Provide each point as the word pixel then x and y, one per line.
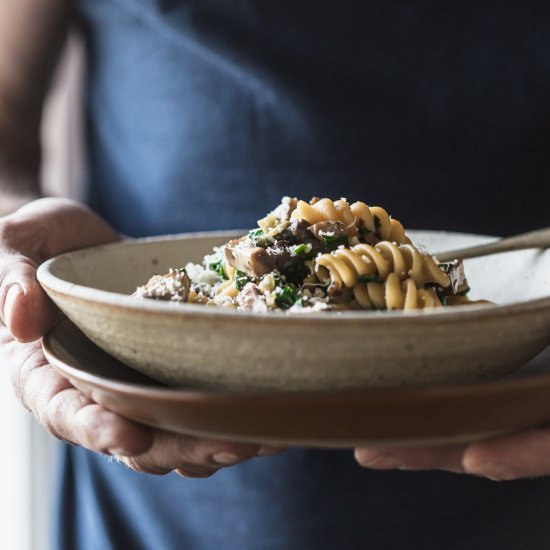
pixel 34 233
pixel 426 458
pixel 515 456
pixel 74 418
pixel 189 456
pixel 526 454
pixel 25 309
pixel 71 416
pixel 68 415
pixel 47 227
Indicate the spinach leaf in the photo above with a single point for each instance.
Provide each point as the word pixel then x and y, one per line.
pixel 256 233
pixel 302 249
pixel 377 227
pixel 258 238
pixel 217 266
pixel 296 273
pixel 364 231
pixel 333 241
pixel 285 296
pixel 373 278
pixel 241 279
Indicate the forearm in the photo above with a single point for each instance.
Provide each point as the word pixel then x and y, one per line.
pixel 31 37
pixel 19 165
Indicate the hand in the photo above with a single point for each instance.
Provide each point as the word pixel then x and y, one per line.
pixel 36 232
pixel 514 456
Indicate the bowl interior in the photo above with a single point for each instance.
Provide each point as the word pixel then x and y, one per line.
pixel 121 267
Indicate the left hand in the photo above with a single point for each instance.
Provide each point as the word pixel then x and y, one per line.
pixel 520 455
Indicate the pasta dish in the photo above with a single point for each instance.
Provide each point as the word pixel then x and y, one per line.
pixel 319 256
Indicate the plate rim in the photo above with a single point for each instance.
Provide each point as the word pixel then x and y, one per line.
pixel 504 384
pixel 196 408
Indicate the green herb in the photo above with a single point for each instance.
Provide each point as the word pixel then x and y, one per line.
pixel 333 241
pixel 296 273
pixel 217 266
pixel 278 278
pixel 302 249
pixel 442 298
pixel 241 279
pixel 256 233
pixel 364 231
pixel 377 227
pixel 373 278
pixel 258 238
pixel 285 296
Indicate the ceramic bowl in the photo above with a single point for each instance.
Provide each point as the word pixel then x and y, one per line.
pixel 194 346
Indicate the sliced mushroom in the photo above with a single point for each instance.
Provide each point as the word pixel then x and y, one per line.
pixel 256 261
pixel 455 271
pixel 334 229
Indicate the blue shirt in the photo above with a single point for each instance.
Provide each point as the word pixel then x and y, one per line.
pixel 202 114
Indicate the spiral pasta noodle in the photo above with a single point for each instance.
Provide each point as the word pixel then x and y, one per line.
pixel 395 294
pixel 368 217
pixel 324 210
pixel 358 218
pixel 382 276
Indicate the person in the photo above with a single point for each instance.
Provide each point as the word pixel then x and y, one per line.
pixel 201 115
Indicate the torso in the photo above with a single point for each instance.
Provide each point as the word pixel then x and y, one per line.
pixel 203 114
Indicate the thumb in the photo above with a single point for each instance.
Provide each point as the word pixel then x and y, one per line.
pixel 36 232
pixel 25 309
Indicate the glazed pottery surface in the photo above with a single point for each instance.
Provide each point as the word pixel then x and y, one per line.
pixel 201 347
pixel 435 414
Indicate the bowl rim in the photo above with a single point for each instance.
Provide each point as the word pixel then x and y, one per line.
pixel 57 285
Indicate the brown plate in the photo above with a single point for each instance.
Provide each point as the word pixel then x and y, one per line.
pixel 390 416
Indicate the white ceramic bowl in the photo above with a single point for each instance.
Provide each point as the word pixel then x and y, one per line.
pixel 207 347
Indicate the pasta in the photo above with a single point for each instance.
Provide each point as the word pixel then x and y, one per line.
pixel 323 255
pixel 358 218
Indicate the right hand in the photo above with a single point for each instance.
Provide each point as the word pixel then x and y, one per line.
pixel 36 232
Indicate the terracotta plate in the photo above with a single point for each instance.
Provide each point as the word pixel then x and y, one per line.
pixel 433 414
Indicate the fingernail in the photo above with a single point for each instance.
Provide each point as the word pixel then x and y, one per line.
pixel 268 451
pixel 371 458
pixel 12 293
pixel 373 461
pixel 495 472
pixel 226 458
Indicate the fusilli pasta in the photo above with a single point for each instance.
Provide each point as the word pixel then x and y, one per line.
pixel 322 255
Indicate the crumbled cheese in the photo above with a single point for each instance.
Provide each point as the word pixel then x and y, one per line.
pixel 172 287
pixel 284 209
pixel 267 284
pixel 199 275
